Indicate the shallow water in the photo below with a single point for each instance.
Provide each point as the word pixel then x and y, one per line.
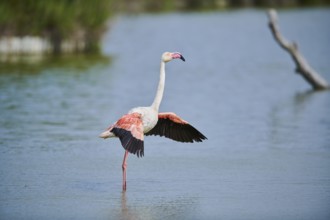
pixel 267 155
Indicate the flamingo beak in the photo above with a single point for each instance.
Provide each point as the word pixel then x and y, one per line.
pixel 177 55
pixel 182 58
pixel 105 134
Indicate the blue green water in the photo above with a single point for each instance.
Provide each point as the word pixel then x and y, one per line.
pixel 268 150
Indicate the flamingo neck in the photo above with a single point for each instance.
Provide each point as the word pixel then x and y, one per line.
pixel 160 90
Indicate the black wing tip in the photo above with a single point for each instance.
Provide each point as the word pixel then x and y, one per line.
pixel 129 143
pixel 140 153
pixel 184 133
pixel 197 136
pixel 202 138
pixel 199 139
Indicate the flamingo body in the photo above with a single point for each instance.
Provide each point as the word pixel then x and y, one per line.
pixel 140 121
pixel 149 117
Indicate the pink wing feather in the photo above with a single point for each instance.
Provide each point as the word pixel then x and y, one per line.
pixel 129 129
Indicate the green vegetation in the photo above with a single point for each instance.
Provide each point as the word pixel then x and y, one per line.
pixel 79 24
pixel 197 5
pixel 57 20
pixel 37 63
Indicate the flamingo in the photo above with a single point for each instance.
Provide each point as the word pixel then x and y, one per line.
pixel 140 121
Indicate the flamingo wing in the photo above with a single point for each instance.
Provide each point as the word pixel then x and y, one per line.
pixel 172 126
pixel 129 129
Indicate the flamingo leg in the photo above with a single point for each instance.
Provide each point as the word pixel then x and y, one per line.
pixel 124 166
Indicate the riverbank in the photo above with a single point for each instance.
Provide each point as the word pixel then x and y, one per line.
pixel 36 45
pixel 34 26
pixel 70 26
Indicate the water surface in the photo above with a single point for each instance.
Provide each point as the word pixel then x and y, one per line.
pixel 267 155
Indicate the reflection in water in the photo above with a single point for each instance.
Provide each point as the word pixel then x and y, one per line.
pixel 151 208
pixel 34 64
pixel 126 213
pixel 291 121
pixel 301 100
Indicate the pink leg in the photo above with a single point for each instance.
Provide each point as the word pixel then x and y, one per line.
pixel 124 166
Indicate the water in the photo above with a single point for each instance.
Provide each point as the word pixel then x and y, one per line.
pixel 267 155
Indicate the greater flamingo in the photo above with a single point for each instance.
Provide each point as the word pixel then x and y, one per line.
pixel 140 121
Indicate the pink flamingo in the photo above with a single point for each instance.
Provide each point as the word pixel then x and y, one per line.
pixel 140 121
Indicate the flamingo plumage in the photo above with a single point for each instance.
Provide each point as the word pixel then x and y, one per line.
pixel 140 121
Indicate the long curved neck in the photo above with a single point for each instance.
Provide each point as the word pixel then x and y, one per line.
pixel 160 89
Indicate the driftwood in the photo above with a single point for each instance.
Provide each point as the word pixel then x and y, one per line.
pixel 302 66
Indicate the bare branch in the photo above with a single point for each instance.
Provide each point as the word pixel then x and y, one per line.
pixel 302 66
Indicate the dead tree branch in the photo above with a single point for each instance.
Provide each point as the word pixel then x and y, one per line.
pixel 302 66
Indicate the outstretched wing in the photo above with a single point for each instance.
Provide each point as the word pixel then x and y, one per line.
pixel 129 129
pixel 172 126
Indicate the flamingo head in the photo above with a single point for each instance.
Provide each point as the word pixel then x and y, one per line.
pixel 168 56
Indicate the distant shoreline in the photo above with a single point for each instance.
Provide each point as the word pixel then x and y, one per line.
pixel 37 45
